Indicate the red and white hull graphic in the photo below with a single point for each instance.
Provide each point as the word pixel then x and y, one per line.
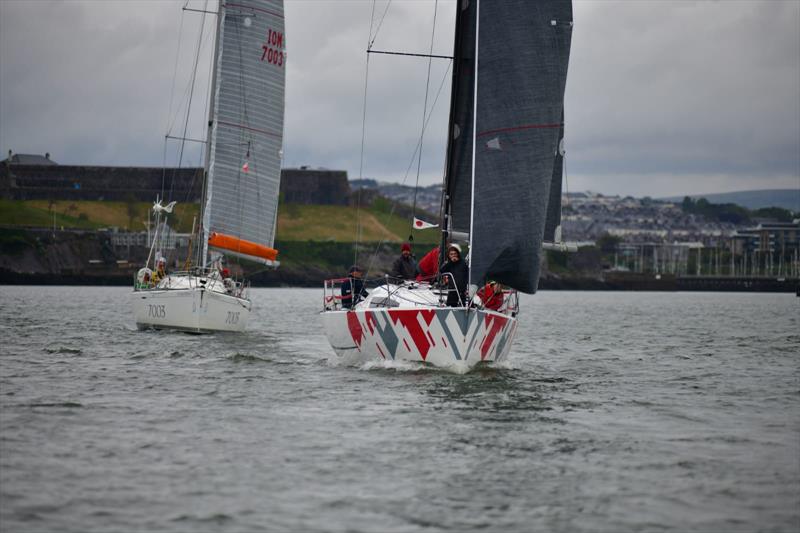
pixel 442 336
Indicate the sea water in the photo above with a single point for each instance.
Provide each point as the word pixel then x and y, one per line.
pixel 614 412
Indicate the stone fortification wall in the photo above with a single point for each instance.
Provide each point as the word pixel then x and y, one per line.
pixel 67 182
pixel 319 187
pixel 144 184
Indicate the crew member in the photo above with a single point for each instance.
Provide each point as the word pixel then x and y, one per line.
pixel 491 295
pixel 405 267
pixel 161 270
pixel 429 265
pixel 457 276
pixel 353 288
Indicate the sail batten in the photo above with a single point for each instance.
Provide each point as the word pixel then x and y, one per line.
pixel 247 112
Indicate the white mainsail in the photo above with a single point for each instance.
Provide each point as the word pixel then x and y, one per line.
pixel 246 124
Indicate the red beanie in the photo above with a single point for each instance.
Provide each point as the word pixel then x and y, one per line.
pixel 405 247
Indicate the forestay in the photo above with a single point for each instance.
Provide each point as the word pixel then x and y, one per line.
pixel 246 122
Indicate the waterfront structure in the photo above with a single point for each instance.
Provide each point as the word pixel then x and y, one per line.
pixel 37 177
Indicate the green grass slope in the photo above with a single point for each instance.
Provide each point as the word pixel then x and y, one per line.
pixel 321 223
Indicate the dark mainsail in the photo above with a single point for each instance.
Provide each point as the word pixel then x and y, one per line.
pixel 523 52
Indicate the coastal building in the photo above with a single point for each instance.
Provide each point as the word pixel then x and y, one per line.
pixel 321 186
pixel 34 177
pixel 769 236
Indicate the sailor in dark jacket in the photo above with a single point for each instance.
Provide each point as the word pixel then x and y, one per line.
pixel 353 288
pixel 405 267
pixel 457 277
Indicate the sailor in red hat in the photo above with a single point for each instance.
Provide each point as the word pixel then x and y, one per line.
pixel 405 266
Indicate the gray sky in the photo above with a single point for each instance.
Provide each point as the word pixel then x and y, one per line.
pixel 663 97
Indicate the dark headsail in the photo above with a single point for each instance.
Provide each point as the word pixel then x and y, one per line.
pixel 553 220
pixel 523 51
pixel 458 184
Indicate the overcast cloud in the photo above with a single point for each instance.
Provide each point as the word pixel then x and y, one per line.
pixel 663 97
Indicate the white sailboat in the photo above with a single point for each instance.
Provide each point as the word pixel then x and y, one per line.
pixel 501 196
pixel 241 183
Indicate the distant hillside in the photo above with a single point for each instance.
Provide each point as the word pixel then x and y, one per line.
pixel 784 198
pixel 428 198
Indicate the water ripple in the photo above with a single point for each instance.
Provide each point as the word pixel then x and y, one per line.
pixel 614 412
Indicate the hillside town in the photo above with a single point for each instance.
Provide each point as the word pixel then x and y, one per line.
pixel 659 236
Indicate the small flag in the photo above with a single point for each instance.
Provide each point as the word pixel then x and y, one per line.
pixel 246 167
pixel 421 224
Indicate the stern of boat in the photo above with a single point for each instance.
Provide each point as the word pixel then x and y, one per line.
pixel 189 303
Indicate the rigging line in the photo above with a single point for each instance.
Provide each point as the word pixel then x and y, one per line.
pixel 171 101
pixel 424 112
pixel 191 95
pixel 434 56
pixel 175 73
pixel 410 164
pixel 378 29
pixel 201 153
pixel 363 137
pixel 200 11
pixel 566 178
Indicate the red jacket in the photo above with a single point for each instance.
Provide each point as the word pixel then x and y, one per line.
pixel 491 300
pixel 428 265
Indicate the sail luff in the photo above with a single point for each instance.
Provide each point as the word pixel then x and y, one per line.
pixel 212 105
pixel 457 210
pixel 474 131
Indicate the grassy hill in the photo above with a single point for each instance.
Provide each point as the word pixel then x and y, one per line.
pixel 325 223
pixel 85 214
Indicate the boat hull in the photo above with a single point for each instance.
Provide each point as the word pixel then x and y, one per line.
pixel 194 310
pixel 445 337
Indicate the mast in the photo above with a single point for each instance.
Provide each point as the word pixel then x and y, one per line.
pixel 204 214
pixel 474 135
pixel 444 215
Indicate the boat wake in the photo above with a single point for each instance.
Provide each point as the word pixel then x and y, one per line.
pixel 361 362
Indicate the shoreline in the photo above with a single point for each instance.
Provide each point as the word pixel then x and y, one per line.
pixel 615 283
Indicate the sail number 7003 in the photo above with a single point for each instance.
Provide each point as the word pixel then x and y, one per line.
pixel 156 311
pixel 273 48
